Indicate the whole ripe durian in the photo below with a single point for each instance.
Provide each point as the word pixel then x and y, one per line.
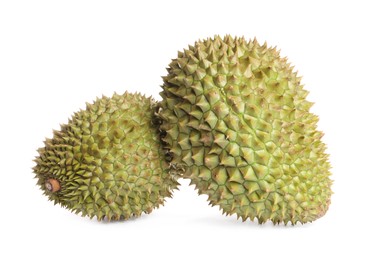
pixel 236 120
pixel 107 162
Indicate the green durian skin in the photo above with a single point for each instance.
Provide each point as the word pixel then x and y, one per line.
pixel 237 122
pixel 108 160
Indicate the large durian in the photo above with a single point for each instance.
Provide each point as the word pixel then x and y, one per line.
pixel 107 160
pixel 236 120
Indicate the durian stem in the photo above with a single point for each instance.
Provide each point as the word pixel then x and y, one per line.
pixel 52 185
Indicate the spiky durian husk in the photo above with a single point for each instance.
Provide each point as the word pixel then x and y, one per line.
pixel 107 160
pixel 235 118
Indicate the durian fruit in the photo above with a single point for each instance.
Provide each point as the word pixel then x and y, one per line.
pixel 107 162
pixel 236 120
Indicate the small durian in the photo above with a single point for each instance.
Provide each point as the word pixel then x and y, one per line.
pixel 236 120
pixel 107 161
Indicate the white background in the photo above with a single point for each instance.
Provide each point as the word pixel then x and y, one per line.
pixel 56 55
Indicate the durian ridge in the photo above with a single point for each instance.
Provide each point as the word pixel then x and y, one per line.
pixel 236 119
pixel 107 160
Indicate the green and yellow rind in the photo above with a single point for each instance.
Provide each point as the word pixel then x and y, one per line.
pixel 237 122
pixel 108 160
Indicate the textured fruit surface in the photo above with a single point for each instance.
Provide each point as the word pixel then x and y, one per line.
pixel 107 161
pixel 236 120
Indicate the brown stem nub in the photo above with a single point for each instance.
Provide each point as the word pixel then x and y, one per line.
pixel 52 185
